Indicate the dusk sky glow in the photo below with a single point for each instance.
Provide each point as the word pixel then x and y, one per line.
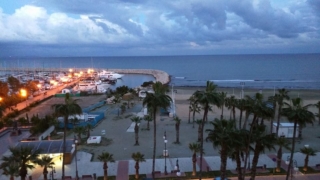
pixel 153 27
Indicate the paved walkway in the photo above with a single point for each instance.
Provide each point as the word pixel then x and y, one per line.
pixel 122 169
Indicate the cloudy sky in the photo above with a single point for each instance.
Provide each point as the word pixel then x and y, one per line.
pixel 158 27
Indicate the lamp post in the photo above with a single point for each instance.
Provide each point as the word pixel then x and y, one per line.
pixel 177 168
pixel 173 102
pixel 242 84
pixel 293 165
pixel 75 150
pixel 53 170
pixel 165 152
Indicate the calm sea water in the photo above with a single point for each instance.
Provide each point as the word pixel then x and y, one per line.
pixel 256 71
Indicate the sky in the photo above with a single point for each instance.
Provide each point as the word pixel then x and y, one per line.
pixel 158 27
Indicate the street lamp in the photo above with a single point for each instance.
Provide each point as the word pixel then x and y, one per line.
pixel 165 153
pixel 293 165
pixel 53 170
pixel 23 93
pixel 177 168
pixel 173 101
pixel 242 84
pixel 75 150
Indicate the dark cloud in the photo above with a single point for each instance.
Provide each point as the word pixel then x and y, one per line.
pixel 269 19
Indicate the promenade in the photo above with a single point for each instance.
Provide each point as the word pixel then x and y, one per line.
pixel 122 169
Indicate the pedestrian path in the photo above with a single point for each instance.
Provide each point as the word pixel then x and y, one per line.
pixel 123 170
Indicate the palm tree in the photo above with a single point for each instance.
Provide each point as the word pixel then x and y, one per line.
pixel 148 118
pixel 194 108
pixel 240 104
pixel 78 130
pixel 281 96
pixel 263 141
pixel 220 138
pixel 318 114
pixel 231 103
pixel 308 152
pixel 299 115
pixel 206 98
pixel 177 126
pixel 136 120
pixel 69 108
pixel 273 100
pixel 282 143
pixel 191 100
pixel 153 101
pixel 45 162
pixel 11 170
pixel 195 148
pixel 199 122
pixel 88 128
pixel 238 148
pixel 138 158
pixel 223 96
pixel 24 157
pixel 105 157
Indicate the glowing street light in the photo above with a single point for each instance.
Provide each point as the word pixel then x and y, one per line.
pixel 23 92
pixel 165 153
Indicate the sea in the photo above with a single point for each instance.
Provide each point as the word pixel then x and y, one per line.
pixel 260 71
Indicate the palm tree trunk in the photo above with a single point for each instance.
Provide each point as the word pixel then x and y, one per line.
pixel 137 170
pixel 241 111
pixel 199 132
pixel 154 142
pixel 238 165
pixel 194 161
pixel 245 121
pixel 201 137
pixel 300 132
pixel 177 132
pixel 189 115
pixel 234 112
pixel 255 160
pixel 105 174
pixel 223 165
pixel 23 171
pixel 136 132
pixel 278 119
pixel 221 117
pixel 193 114
pixel 279 158
pixel 306 160
pixel 292 149
pixel 45 173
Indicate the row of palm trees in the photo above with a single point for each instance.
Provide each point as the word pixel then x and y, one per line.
pixel 234 141
pixel 22 159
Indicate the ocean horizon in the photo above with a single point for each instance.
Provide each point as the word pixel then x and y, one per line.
pixel 260 71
